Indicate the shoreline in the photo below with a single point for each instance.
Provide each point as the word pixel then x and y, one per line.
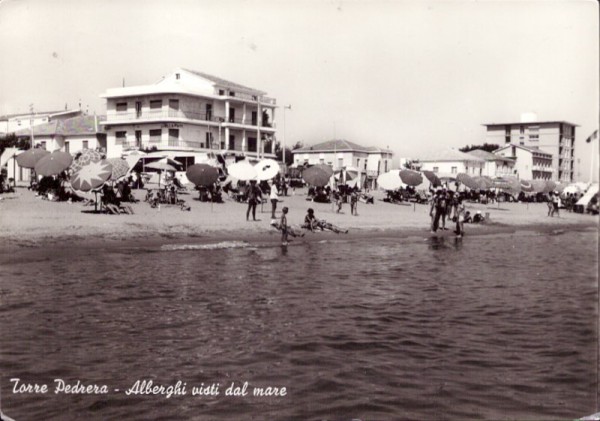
pixel 28 222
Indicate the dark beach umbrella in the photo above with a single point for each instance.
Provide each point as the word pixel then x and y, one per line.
pixel 202 174
pixel 325 168
pixel 411 178
pixel 53 164
pixel 483 182
pixel 29 158
pixel 539 186
pixel 468 181
pixel 317 176
pixel 551 186
pixel 526 186
pixel 433 178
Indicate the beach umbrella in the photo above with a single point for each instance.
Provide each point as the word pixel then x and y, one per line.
pixel 433 178
pixel 120 168
pixel 539 186
pixel 133 158
pixel 91 176
pixel 53 164
pixel 202 174
pixel 390 180
pixel 317 175
pixel 411 177
pixel 266 169
pixel 467 180
pixel 572 188
pixel 325 168
pixel 484 183
pixel 526 186
pixel 551 186
pixel 243 171
pixel 161 165
pixel 29 158
pixel 84 157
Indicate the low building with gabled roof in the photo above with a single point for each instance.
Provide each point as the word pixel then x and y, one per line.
pixel 530 163
pixel 449 161
pixel 340 153
pixel 495 165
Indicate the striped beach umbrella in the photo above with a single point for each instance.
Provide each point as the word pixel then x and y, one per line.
pixel 120 168
pixel 467 180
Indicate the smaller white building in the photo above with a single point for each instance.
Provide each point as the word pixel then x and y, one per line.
pixel 530 164
pixel 451 162
pixel 495 165
pixel 369 160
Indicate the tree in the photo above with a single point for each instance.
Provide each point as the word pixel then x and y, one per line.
pixel 289 158
pixel 488 147
pixel 12 141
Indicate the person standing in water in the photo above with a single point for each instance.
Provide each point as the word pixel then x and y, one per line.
pixel 284 226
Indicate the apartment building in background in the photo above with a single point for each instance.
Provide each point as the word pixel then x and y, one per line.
pixel 556 138
pixel 190 113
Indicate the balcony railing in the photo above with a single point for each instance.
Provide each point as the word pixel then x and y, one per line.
pixel 253 98
pixel 162 114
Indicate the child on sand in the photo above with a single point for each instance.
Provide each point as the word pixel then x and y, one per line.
pixel 311 222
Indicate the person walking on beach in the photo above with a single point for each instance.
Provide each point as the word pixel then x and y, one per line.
pixel 284 226
pixel 435 212
pixel 274 199
pixel 354 203
pixel 253 194
pixel 555 204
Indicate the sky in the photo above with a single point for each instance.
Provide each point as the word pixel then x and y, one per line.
pixel 408 75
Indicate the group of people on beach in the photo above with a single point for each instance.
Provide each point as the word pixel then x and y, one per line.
pixel 448 205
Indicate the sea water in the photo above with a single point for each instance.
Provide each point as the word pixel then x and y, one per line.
pixel 499 326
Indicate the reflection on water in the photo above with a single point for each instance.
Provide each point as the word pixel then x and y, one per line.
pixel 499 326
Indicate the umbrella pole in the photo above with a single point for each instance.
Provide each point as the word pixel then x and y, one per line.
pixel 95 201
pixel 414 206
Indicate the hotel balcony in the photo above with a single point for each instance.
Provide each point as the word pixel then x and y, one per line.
pixel 180 116
pixel 542 168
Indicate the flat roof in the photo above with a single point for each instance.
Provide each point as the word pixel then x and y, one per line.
pixel 523 123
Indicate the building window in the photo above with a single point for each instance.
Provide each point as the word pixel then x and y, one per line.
pixel 85 144
pixel 385 165
pixel 121 136
pixel 232 142
pixel 454 170
pixel 18 122
pixel 173 137
pixel 209 139
pixel 534 133
pixel 174 104
pixel 322 161
pixel 521 129
pixel 177 76
pixel 436 169
pixel 156 104
pixel 138 138
pixel 221 92
pixel 155 135
pixel 365 166
pixel 231 93
pixel 67 147
pixel 340 162
pixel 252 144
pixel 121 106
pixel 507 134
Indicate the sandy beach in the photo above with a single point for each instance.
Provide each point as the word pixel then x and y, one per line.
pixel 26 219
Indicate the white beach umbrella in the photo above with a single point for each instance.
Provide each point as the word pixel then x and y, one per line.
pixel 242 170
pixel 390 180
pixel 266 169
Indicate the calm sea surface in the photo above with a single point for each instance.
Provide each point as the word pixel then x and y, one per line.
pixel 496 326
